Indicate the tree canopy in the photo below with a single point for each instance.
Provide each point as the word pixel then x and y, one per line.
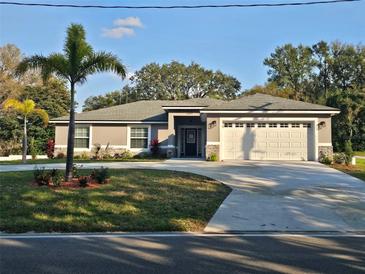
pixel 172 81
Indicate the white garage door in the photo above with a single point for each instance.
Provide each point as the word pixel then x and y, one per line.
pixel 267 140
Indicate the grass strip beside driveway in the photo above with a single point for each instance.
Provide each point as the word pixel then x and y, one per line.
pixel 135 200
pixel 357 170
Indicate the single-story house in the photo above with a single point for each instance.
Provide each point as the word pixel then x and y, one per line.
pixel 255 127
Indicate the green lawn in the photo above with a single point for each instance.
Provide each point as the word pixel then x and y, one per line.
pixel 359 153
pixel 356 171
pixel 135 200
pixel 52 161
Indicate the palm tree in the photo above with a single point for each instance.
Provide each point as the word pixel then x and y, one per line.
pixel 77 62
pixel 26 109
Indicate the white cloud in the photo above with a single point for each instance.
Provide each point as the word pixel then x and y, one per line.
pixel 123 27
pixel 118 32
pixel 129 22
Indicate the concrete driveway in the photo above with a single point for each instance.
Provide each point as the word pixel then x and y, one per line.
pixel 271 196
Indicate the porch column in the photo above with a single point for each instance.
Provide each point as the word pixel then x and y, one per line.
pixel 171 133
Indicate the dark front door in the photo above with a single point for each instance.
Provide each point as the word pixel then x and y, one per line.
pixel 191 142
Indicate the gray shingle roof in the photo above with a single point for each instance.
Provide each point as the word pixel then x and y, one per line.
pixel 138 111
pixel 267 102
pixel 152 111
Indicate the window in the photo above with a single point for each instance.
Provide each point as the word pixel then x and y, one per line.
pixel 82 137
pixel 139 137
pixel 308 125
pixel 239 124
pixel 250 125
pixel 227 124
pixel 261 125
pixel 295 125
pixel 284 125
pixel 273 125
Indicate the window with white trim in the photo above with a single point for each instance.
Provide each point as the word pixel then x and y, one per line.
pixel 273 125
pixel 295 125
pixel 284 125
pixel 239 125
pixel 307 125
pixel 250 125
pixel 227 124
pixel 82 137
pixel 261 125
pixel 139 137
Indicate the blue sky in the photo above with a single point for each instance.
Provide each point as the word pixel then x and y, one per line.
pixel 234 41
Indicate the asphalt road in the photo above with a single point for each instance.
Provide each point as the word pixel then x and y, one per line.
pixel 183 254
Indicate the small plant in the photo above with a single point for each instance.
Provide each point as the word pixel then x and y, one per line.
pixel 339 158
pixel 33 148
pixel 84 156
pixel 41 176
pixel 60 155
pixel 96 150
pixel 50 148
pixel 213 157
pixel 56 176
pixel 100 175
pixel 348 152
pixel 155 147
pixel 75 170
pixel 83 181
pixel 324 159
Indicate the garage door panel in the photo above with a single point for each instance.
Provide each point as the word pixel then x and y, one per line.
pixel 264 143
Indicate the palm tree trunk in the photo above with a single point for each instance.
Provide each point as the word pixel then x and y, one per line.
pixel 25 141
pixel 71 137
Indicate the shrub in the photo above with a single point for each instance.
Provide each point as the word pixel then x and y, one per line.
pixel 339 158
pixel 96 150
pixel 107 156
pixel 83 181
pixel 348 152
pixel 155 147
pixel 77 157
pixel 213 157
pixel 32 148
pixel 100 175
pixel 75 170
pixel 56 176
pixel 60 155
pixel 84 156
pixel 50 148
pixel 324 159
pixel 42 176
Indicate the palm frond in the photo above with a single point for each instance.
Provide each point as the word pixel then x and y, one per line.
pixel 28 106
pixel 101 62
pixel 42 114
pixel 12 104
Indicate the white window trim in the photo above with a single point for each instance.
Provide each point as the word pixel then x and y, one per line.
pixel 129 138
pixel 90 139
pixel 313 121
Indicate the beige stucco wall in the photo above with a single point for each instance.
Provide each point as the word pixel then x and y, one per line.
pixel 101 134
pixel 213 129
pixel 325 132
pixel 61 132
pixel 160 132
pixel 113 134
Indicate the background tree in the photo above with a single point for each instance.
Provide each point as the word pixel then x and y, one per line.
pixel 77 62
pixel 25 109
pixel 52 96
pixel 172 81
pixel 329 74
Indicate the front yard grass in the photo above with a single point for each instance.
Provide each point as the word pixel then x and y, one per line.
pixel 357 170
pixel 55 161
pixel 135 200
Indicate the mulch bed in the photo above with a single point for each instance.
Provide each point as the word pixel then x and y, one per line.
pixel 74 184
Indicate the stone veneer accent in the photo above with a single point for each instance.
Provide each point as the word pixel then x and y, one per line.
pixel 325 150
pixel 211 149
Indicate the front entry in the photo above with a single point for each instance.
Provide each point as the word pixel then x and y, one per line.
pixel 190 142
